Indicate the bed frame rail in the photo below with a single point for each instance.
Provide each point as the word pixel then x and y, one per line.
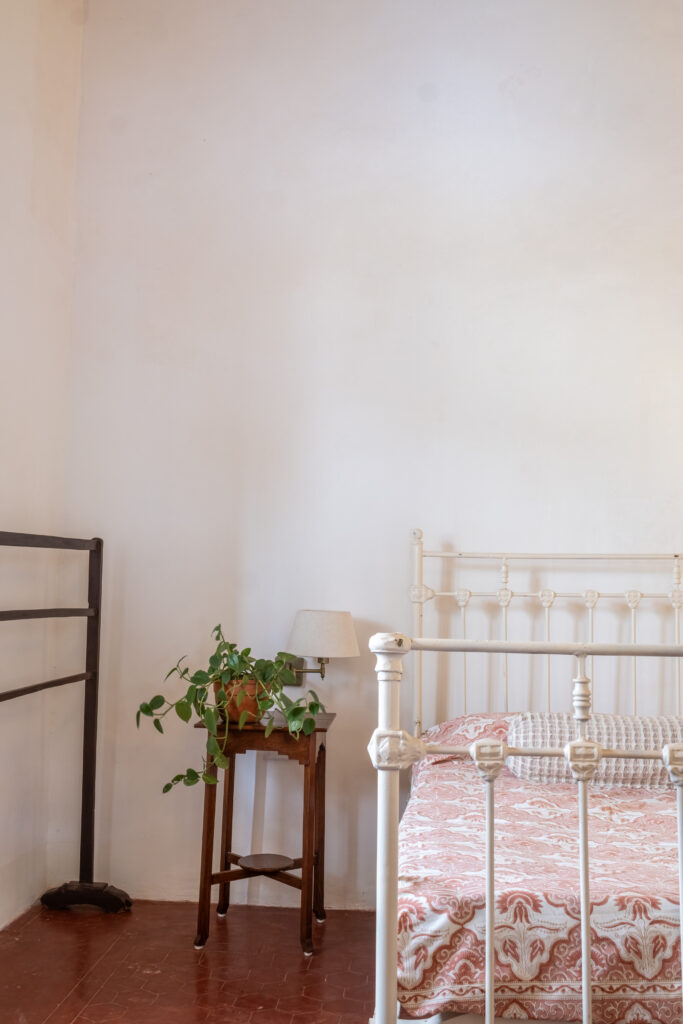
pixel 392 750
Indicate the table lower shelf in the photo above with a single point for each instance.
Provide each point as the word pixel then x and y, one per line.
pixel 271 865
pixel 265 863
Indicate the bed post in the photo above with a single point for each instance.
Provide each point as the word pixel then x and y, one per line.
pixel 390 649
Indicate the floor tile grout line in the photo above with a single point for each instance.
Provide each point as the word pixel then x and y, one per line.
pixel 80 981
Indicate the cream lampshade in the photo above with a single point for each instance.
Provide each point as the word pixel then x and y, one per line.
pixel 323 635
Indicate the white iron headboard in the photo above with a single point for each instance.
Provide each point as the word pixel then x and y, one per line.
pixel 622 598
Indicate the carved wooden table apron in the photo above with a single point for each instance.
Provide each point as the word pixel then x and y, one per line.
pixel 309 751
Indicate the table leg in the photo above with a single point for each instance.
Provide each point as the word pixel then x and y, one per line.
pixel 203 910
pixel 226 835
pixel 319 870
pixel 306 919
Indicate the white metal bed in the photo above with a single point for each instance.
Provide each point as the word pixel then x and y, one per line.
pixel 391 749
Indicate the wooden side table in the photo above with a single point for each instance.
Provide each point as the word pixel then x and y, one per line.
pixel 309 751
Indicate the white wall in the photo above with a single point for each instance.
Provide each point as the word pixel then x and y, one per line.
pixel 343 269
pixel 40 60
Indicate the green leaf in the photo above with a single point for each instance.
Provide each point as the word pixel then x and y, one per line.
pixel 210 720
pixel 157 702
pixel 183 711
pixel 176 668
pixel 239 697
pixel 188 781
pixel 270 726
pixel 287 677
pixel 243 718
pixel 295 713
pixel 212 746
pixel 158 726
pixel 177 778
pixel 192 774
pixel 167 788
pixel 201 678
pixel 210 779
pixel 309 726
pixel 191 691
pixel 146 710
pixel 221 761
pixel 137 719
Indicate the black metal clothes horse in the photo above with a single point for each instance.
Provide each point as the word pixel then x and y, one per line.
pixel 85 890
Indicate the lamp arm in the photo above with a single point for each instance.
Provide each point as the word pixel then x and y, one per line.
pixel 297 667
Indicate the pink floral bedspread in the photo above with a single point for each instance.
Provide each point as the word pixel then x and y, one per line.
pixel 634 894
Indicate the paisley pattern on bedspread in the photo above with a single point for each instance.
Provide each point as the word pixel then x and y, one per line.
pixel 634 894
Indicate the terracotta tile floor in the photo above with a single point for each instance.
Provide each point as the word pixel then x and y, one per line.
pixel 81 966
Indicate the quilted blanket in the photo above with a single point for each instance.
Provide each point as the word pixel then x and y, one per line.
pixel 634 894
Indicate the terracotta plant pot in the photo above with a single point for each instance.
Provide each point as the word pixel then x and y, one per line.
pixel 250 689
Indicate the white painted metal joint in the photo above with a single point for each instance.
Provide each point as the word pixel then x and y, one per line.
pixel 391 750
pixel 420 594
pixel 489 757
pixel 672 756
pixel 583 757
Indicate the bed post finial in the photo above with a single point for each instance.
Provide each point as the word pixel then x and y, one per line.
pixel 416 535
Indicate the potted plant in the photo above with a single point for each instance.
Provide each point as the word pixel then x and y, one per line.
pixel 235 688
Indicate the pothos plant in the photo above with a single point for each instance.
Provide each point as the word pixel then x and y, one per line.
pixel 235 688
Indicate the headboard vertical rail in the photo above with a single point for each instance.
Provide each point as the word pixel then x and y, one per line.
pixel 676 597
pixel 417 596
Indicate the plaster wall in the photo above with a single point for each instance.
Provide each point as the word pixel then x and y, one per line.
pixel 345 269
pixel 40 61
